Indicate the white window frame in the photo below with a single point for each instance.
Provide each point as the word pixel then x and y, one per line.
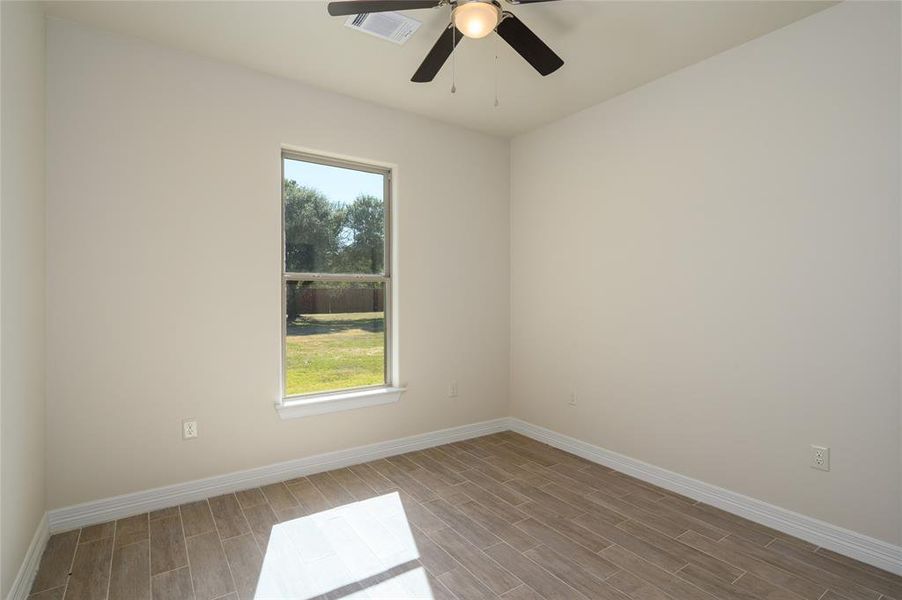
pixel 302 405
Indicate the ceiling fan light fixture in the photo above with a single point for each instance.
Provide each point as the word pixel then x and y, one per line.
pixel 476 19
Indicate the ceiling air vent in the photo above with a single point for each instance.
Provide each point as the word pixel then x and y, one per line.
pixel 390 26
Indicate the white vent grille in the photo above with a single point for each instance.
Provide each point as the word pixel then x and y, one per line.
pixel 390 26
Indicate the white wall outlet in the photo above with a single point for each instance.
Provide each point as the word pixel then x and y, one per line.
pixel 572 400
pixel 452 389
pixel 820 458
pixel 189 429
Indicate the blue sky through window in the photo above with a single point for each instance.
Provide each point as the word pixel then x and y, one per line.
pixel 338 184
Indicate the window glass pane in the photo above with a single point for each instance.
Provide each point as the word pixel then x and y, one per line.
pixel 335 336
pixel 334 219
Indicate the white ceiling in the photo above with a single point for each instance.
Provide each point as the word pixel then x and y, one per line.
pixel 608 48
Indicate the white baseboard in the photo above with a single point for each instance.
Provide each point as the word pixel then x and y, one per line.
pixel 117 507
pixel 29 567
pixel 849 543
pixel 855 545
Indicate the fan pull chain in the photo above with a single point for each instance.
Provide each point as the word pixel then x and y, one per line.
pixel 495 64
pixel 453 69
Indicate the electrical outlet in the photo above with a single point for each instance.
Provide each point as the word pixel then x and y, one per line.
pixel 572 401
pixel 820 458
pixel 189 429
pixel 452 389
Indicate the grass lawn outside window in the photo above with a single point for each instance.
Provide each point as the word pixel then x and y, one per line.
pixel 328 352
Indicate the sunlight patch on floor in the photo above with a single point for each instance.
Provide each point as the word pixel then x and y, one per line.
pixel 359 550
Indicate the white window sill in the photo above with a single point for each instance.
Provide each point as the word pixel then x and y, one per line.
pixel 338 401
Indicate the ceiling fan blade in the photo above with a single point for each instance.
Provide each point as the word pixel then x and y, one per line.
pixel 356 7
pixel 528 45
pixel 438 55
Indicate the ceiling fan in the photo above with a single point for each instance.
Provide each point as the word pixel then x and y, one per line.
pixel 469 18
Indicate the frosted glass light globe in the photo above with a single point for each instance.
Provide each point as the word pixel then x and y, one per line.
pixel 476 19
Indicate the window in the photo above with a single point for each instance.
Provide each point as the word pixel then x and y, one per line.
pixel 336 284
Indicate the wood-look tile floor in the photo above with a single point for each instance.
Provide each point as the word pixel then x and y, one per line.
pixel 500 516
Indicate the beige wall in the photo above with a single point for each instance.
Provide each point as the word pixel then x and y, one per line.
pixel 163 265
pixel 22 271
pixel 711 263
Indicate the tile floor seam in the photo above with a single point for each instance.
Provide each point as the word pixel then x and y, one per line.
pixel 187 558
pixel 71 565
pixel 465 568
pixel 221 547
pixel 109 579
pixel 149 559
